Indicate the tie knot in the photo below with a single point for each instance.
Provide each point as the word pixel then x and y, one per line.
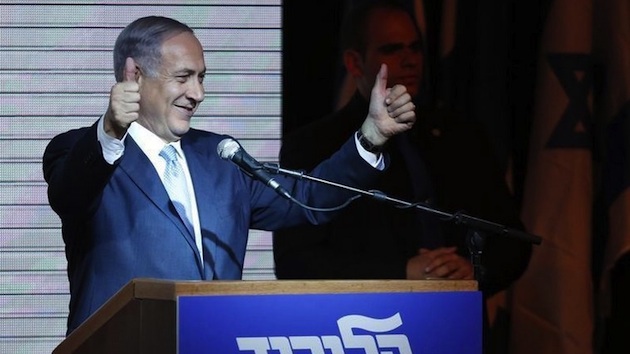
pixel 169 153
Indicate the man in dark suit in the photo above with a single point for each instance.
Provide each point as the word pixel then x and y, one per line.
pixel 110 183
pixel 444 160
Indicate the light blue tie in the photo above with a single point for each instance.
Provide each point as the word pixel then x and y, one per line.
pixel 175 184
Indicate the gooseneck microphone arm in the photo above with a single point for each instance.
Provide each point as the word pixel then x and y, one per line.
pixel 230 149
pixel 457 217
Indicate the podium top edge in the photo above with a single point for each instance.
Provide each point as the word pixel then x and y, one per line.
pixel 159 289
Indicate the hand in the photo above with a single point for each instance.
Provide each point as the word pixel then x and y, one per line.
pixel 391 111
pixel 124 102
pixel 440 263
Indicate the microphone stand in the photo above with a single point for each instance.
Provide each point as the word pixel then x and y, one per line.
pixel 478 227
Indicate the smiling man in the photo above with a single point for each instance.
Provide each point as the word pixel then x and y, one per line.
pixel 142 194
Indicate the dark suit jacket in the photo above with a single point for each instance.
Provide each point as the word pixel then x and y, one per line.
pixel 452 165
pixel 118 222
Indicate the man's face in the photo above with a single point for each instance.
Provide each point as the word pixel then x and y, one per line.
pixel 168 101
pixel 392 39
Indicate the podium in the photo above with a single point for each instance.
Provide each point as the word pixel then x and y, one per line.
pixel 284 316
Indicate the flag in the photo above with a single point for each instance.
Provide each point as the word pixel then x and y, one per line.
pixel 552 303
pixel 613 39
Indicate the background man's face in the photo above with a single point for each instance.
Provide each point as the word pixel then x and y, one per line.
pixel 392 39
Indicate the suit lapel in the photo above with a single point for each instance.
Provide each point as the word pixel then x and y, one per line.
pixel 203 179
pixel 140 170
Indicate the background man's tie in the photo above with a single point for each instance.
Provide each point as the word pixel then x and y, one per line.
pixel 423 191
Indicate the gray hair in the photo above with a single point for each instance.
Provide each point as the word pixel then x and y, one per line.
pixel 142 40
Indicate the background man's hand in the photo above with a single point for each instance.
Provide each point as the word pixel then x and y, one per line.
pixel 440 263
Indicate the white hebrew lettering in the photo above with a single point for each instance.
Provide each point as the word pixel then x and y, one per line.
pixel 307 342
pixel 399 341
pixel 260 345
pixel 372 344
pixel 347 324
pixel 333 343
pixel 281 344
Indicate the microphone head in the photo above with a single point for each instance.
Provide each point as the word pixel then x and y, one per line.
pixel 227 148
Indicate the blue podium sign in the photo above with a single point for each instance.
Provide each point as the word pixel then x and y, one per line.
pixel 340 323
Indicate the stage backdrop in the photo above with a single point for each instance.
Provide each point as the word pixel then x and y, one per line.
pixel 56 73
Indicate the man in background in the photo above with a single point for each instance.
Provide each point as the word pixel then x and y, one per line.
pixel 445 160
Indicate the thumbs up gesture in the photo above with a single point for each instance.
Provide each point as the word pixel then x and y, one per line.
pixel 391 111
pixel 124 102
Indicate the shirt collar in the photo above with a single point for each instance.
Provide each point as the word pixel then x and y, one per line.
pixel 150 143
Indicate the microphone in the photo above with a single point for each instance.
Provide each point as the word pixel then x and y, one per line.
pixel 229 149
